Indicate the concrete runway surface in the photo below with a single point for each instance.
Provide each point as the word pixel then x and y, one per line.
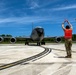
pixel 53 63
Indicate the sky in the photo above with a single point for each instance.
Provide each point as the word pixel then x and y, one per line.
pixel 17 17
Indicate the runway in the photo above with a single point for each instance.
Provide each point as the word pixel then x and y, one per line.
pixel 49 64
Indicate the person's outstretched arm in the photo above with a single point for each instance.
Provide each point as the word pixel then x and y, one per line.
pixel 70 24
pixel 63 26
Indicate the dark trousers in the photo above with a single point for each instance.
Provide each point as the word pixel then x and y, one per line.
pixel 68 45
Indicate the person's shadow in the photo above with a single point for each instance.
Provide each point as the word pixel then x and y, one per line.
pixel 59 56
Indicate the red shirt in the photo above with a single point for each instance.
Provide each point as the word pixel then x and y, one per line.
pixel 68 33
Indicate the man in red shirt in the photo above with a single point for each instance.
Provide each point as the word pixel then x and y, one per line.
pixel 68 38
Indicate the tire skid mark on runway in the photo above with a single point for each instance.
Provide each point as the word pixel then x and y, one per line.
pixel 35 57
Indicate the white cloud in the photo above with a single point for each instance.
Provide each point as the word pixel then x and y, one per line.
pixel 34 5
pixel 23 20
pixel 66 7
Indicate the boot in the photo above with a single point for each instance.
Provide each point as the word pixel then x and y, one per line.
pixel 68 56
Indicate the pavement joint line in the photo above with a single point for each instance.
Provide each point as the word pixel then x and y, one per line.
pixel 61 50
pixel 63 70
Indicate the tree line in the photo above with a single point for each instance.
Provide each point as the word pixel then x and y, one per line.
pixel 7 35
pixel 22 40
